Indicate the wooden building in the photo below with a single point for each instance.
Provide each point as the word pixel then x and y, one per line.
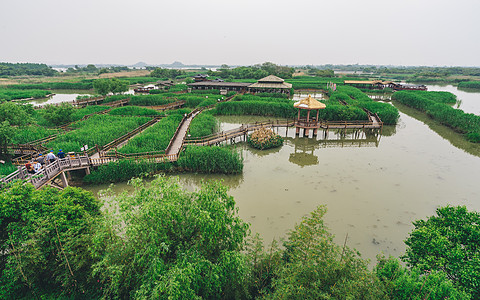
pixel 240 87
pixel 270 84
pixel 165 84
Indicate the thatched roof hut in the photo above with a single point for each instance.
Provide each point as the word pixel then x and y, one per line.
pixel 309 103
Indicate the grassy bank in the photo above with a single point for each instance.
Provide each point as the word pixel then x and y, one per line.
pixel 211 160
pixel 457 119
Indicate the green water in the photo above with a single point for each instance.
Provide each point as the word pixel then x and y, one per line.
pixel 373 186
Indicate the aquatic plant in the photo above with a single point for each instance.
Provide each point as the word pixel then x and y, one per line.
pixel 264 138
pixel 211 160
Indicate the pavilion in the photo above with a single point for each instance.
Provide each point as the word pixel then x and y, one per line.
pixel 308 123
pixel 270 84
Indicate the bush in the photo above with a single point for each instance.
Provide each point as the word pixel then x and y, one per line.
pixel 469 84
pixel 211 160
pixel 264 138
pixel 445 114
pixel 124 170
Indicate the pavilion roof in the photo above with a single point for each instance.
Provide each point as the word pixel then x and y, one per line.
pixel 271 79
pixel 309 103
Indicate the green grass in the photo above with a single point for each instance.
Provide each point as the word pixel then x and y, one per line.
pixel 456 119
pixel 134 111
pixel 124 170
pixel 82 112
pixel 96 130
pixel 202 125
pixel 7 168
pixel 12 94
pixel 469 84
pixel 211 160
pixel 27 134
pixel 154 138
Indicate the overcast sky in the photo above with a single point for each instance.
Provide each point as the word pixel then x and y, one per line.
pixel 234 32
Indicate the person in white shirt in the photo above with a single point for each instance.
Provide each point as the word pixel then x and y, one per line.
pixel 37 167
pixel 51 157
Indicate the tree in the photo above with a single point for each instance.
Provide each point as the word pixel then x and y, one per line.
pixel 45 242
pixel 15 114
pixel 448 242
pixel 58 115
pixel 165 243
pixel 113 85
pixel 314 267
pixel 405 284
pixel 6 134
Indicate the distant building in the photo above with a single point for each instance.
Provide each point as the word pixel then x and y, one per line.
pixel 270 84
pixel 200 77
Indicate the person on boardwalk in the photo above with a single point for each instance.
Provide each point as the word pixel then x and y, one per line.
pixel 40 159
pixel 29 168
pixel 37 167
pixel 51 157
pixel 60 154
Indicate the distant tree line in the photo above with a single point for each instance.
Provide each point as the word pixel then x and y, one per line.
pixel 9 69
pixel 167 73
pixel 256 71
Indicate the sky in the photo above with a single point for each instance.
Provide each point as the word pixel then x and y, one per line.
pixel 246 32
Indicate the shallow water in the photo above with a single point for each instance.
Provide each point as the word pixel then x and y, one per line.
pixel 373 186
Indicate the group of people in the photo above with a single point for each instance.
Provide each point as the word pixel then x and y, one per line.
pixel 36 165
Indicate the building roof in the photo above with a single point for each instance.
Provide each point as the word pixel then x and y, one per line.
pixel 219 84
pixel 271 79
pixel 271 82
pixel 309 103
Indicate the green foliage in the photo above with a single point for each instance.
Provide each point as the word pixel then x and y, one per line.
pixel 45 241
pixel 154 138
pixel 58 114
pixel 79 113
pixel 6 136
pixel 110 85
pixel 447 115
pixel 12 94
pixel 17 69
pixel 134 111
pixel 211 160
pixel 86 84
pixel 96 130
pixel 165 243
pixel 7 167
pixel 448 242
pixel 124 170
pixel 151 100
pixel 469 84
pixel 15 114
pixel 257 71
pixel 178 88
pixel 202 125
pixel 167 73
pixel 355 97
pixel 313 267
pixel 403 284
pixel 30 133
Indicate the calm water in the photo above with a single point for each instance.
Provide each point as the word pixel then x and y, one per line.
pixel 373 186
pixel 59 97
pixel 468 99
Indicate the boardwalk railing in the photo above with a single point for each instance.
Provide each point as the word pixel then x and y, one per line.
pixel 87 101
pixel 233 133
pixel 167 106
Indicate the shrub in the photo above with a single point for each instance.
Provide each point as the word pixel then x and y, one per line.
pixel 211 160
pixel 124 170
pixel 264 138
